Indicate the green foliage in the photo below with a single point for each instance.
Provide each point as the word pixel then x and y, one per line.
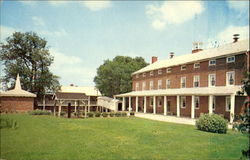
pixel 111 114
pixel 105 114
pixel 6 122
pixel 97 114
pixel 124 114
pixel 39 112
pixel 90 114
pixel 28 55
pixel 114 76
pixel 212 123
pixel 118 114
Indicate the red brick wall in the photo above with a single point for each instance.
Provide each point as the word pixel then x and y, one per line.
pixel 186 112
pixel 203 108
pixel 19 104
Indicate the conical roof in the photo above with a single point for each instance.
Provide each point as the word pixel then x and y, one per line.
pixel 17 91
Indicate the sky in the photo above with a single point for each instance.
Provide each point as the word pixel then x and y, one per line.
pixel 82 34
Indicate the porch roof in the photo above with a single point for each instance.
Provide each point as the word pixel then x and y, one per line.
pixel 221 90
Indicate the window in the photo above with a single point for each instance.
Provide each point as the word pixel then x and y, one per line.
pixel 159 71
pixel 212 62
pixel 144 75
pixel 159 84
pixel 151 85
pixel 137 75
pixel 151 73
pixel 159 101
pixel 143 85
pixel 137 86
pixel 196 81
pixel 183 102
pixel 197 102
pixel 228 103
pixel 214 103
pixel 168 83
pixel 169 70
pixel 230 78
pixel 197 65
pixel 211 80
pixel 230 59
pixel 183 82
pixel 184 67
pixel 151 101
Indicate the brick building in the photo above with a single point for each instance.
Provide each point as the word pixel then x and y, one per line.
pixel 17 99
pixel 204 81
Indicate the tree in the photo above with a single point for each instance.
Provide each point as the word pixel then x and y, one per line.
pixel 114 77
pixel 28 55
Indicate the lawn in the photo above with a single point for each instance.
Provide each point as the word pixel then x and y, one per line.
pixel 51 138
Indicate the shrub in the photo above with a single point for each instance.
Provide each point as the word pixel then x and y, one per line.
pixel 118 114
pixel 97 114
pixel 105 114
pixel 62 113
pixel 132 113
pixel 6 122
pixel 124 114
pixel 212 123
pixel 112 114
pixel 90 114
pixel 39 112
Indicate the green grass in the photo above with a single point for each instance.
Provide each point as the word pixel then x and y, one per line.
pixel 51 138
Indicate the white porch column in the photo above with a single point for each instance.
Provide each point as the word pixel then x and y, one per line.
pixel 123 103
pixel 129 103
pixel 89 104
pixel 145 104
pixel 192 107
pixel 178 105
pixel 154 105
pixel 75 106
pixel 136 103
pixel 232 108
pixel 44 102
pixel 165 105
pixel 59 109
pixel 210 104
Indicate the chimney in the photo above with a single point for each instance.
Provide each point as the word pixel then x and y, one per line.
pixel 154 59
pixel 197 47
pixel 171 54
pixel 236 37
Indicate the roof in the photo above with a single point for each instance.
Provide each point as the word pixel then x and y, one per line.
pixel 107 99
pixel 89 91
pixel 228 49
pixel 17 91
pixel 222 90
pixel 70 96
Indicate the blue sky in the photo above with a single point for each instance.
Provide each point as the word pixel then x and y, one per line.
pixel 82 34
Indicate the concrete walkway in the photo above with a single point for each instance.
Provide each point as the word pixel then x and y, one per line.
pixel 163 118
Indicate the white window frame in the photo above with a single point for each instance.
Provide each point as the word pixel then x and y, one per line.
pixel 159 99
pixel 168 83
pixel 137 86
pixel 227 78
pixel 230 61
pixel 196 81
pixel 209 80
pixel 182 98
pixel 151 99
pixel 151 73
pixel 196 98
pixel 228 103
pixel 169 70
pixel 160 71
pixel 143 74
pixel 159 84
pixel 183 67
pixel 144 85
pixel 196 64
pixel 151 85
pixel 183 78
pixel 212 61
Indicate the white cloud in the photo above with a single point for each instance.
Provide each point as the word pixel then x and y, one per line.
pixel 226 36
pixel 96 5
pixel 58 2
pixel 38 21
pixel 173 12
pixel 71 69
pixel 6 32
pixel 239 5
pixel 59 33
